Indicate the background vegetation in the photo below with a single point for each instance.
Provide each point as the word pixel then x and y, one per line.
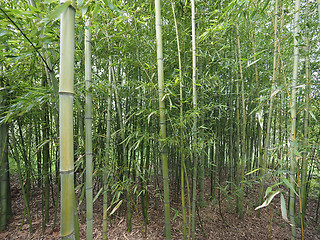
pixel 238 105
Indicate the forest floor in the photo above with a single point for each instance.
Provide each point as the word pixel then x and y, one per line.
pixel 213 225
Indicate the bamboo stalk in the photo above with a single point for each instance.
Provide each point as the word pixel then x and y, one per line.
pixel 163 148
pixel 88 129
pixel 184 215
pixel 194 127
pixel 243 145
pixel 66 122
pixel 293 145
pixel 105 192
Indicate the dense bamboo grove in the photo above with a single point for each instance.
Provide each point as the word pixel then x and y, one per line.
pixel 151 101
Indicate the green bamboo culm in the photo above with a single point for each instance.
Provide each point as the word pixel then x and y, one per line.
pixel 243 146
pixel 108 138
pixel 3 166
pixel 194 128
pixel 183 205
pixel 88 129
pixel 163 149
pixel 319 8
pixel 272 96
pixel 293 145
pixel 3 174
pixel 305 162
pixel 66 121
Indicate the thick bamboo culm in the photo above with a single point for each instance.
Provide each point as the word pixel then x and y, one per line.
pixel 163 149
pixel 66 122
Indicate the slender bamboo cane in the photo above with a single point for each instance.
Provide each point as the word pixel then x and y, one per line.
pixel 163 148
pixel 243 145
pixel 319 8
pixel 88 129
pixel 125 153
pixel 272 96
pixel 194 128
pixel 293 145
pixel 184 216
pixel 24 194
pixel 105 193
pixel 306 135
pixel 66 121
pixel 4 168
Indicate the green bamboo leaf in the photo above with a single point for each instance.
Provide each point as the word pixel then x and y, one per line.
pixel 265 5
pixel 98 194
pixel 297 153
pixel 283 208
pixel 96 10
pixel 57 11
pixel 312 115
pixel 288 184
pixel 176 213
pixel 269 189
pixel 111 6
pixel 79 3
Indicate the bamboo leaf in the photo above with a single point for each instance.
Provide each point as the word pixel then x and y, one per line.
pixel 312 115
pixel 110 5
pixel 98 194
pixel 257 169
pixel 260 119
pixel 268 200
pixel 116 207
pixel 251 63
pixel 284 208
pixel 274 92
pixel 57 11
pixel 96 10
pixel 269 189
pixel 288 184
pixel 265 5
pixel 79 3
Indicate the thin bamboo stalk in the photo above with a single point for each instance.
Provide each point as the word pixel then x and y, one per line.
pixel 88 129
pixel 105 192
pixel 184 215
pixel 272 96
pixel 194 128
pixel 293 145
pixel 243 145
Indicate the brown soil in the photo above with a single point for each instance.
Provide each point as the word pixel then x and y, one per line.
pixel 269 225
